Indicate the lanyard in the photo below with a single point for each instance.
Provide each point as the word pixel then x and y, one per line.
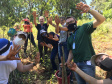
pixel 74 36
pixel 73 46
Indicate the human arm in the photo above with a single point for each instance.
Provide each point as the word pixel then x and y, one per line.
pixel 70 56
pixel 54 25
pixel 12 52
pixel 21 23
pixel 30 24
pixel 34 17
pixel 47 45
pixel 98 17
pixel 24 68
pixel 46 14
pixel 3 58
pixel 55 38
pixel 57 21
pixel 86 77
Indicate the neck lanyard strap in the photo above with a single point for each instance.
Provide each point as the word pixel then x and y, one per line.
pixel 74 35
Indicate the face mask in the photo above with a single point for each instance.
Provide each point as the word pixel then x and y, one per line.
pixel 106 64
pixel 19 41
pixel 72 27
pixel 27 22
pixel 64 25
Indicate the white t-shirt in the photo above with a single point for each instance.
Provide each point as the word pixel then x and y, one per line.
pixel 6 67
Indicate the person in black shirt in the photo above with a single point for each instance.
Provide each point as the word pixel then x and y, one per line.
pixel 50 40
pixel 39 27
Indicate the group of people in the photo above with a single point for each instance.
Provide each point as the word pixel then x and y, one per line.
pixel 75 40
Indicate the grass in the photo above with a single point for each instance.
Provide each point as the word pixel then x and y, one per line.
pixel 102 43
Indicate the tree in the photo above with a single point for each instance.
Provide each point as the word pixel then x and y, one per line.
pixel 12 11
pixel 103 6
pixel 67 7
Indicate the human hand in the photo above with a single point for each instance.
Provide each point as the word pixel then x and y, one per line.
pixel 50 37
pixel 37 58
pixel 43 43
pixel 83 7
pixel 46 14
pixel 57 20
pixel 13 52
pixel 49 46
pixel 61 65
pixel 34 14
pixel 72 66
pixel 50 20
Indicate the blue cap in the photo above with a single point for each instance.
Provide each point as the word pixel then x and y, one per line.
pixel 3 43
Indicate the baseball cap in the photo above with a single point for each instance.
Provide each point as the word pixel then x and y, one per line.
pixel 25 20
pixel 21 32
pixel 95 56
pixel 42 31
pixel 4 45
pixel 11 32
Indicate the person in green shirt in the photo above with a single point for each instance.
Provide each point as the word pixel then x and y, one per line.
pixel 79 43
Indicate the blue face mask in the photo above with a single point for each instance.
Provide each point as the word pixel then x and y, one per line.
pixel 72 27
pixel 106 64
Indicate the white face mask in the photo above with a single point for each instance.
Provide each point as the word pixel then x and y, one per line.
pixel 19 41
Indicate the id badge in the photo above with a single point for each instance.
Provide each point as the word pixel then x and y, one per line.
pixel 73 45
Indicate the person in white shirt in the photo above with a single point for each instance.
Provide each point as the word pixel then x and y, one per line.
pixel 9 59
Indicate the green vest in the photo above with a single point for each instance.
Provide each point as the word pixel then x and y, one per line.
pixel 83 46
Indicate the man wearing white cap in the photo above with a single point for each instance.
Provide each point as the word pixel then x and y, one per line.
pixel 9 59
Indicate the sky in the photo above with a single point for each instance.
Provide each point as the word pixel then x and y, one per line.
pixel 88 2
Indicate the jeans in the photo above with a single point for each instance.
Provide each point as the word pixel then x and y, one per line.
pixel 53 55
pixel 88 69
pixel 64 45
pixel 40 47
pixel 31 39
